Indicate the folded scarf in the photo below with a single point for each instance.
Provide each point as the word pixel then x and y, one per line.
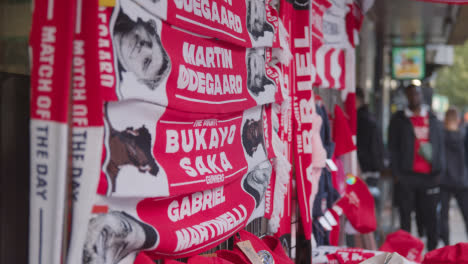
pixel 174 227
pixel 50 46
pixel 154 61
pixel 151 151
pixel 247 23
pixel 88 127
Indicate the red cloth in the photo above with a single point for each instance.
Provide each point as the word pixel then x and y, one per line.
pixel 342 135
pixel 404 244
pixel 258 245
pixel 358 205
pixel 141 258
pixel 447 255
pixel 421 131
pixel 275 245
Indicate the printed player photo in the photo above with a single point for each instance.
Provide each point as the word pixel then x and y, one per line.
pixel 257 24
pixel 256 182
pixel 113 236
pixel 256 73
pixel 252 135
pixel 129 147
pixel 140 51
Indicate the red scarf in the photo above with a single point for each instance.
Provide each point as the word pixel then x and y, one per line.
pixel 151 151
pixel 88 126
pixel 296 18
pixel 51 60
pixel 231 21
pixel 178 69
pixel 174 227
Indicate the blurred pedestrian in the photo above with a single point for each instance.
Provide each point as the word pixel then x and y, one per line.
pixel 454 180
pixel 369 146
pixel 417 155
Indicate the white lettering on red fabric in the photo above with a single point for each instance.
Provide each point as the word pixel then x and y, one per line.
pixel 45 71
pixel 199 234
pixel 213 13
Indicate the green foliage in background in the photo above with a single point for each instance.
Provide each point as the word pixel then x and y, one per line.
pixel 452 81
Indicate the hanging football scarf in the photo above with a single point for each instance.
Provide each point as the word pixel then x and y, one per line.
pixel 51 56
pixel 247 23
pixel 151 151
pixel 281 117
pixel 329 41
pixel 173 227
pixel 156 62
pixel 303 103
pixel 88 128
pixel 354 19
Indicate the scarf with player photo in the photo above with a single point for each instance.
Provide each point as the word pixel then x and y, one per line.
pixel 174 227
pixel 281 119
pixel 246 23
pixel 50 46
pixel 151 151
pixel 154 61
pixel 88 127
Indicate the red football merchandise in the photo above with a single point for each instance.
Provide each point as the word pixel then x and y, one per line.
pixel 185 71
pixel 404 244
pixel 358 205
pixel 143 259
pixel 262 249
pixel 50 49
pixel 175 227
pixel 456 254
pixel 342 134
pixel 275 245
pixel 250 23
pixel 88 125
pixel 151 151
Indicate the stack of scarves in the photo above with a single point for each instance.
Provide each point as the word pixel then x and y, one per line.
pixel 176 132
pixel 181 122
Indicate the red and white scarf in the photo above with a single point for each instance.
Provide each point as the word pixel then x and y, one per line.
pixel 177 178
pixel 154 61
pixel 88 127
pixel 50 46
pixel 249 23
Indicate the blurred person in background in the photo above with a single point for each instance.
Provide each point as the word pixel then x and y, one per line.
pixel 454 180
pixel 417 153
pixel 369 146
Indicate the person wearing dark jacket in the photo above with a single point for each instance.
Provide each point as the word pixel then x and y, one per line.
pixel 369 147
pixel 416 145
pixel 369 141
pixel 454 180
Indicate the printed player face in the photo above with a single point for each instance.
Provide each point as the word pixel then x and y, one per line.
pixel 259 178
pixel 111 237
pixel 257 68
pixel 255 133
pixel 257 16
pixel 140 52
